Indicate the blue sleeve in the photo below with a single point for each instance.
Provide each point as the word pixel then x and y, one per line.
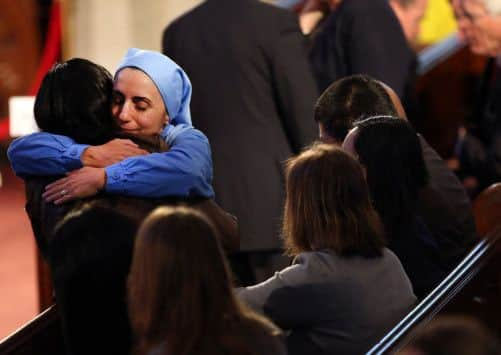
pixel 184 170
pixel 44 154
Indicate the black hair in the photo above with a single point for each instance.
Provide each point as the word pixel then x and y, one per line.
pixel 390 150
pixel 350 99
pixel 75 100
pixel 90 256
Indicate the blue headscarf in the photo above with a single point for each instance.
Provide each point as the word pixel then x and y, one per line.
pixel 171 81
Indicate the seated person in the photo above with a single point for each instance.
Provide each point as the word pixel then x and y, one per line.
pixel 478 149
pixel 75 98
pixel 443 203
pixel 344 289
pixel 389 151
pixel 90 258
pixel 180 296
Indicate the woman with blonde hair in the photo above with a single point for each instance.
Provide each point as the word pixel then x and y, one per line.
pixel 181 299
pixel 344 288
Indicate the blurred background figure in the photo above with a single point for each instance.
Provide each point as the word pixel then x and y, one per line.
pixel 479 145
pixel 447 335
pixel 390 151
pixel 384 31
pixel 90 256
pixel 253 96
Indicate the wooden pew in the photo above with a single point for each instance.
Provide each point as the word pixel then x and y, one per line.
pixel 474 286
pixel 473 289
pixel 41 336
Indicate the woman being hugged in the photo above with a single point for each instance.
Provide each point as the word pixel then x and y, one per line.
pixel 344 289
pixel 180 294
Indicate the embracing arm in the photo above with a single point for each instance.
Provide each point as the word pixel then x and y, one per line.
pixel 44 154
pixel 184 170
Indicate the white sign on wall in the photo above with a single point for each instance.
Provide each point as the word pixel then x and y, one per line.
pixel 21 118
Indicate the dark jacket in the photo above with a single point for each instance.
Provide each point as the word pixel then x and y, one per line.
pixel 253 96
pixel 365 37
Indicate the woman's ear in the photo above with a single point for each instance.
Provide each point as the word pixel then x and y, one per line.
pixel 166 120
pixel 364 170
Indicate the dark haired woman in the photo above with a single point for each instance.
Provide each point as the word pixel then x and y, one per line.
pixel 180 295
pixel 391 154
pixel 344 289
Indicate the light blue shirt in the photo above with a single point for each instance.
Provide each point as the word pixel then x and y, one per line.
pixel 185 170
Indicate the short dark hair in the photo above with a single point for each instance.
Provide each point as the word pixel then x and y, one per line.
pixel 390 150
pixel 75 100
pixel 328 206
pixel 350 99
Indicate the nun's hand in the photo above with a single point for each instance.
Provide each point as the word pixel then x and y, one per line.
pixel 101 156
pixel 79 183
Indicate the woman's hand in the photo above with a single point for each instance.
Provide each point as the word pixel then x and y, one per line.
pixel 101 156
pixel 79 183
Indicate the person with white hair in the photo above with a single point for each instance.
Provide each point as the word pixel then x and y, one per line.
pixel 479 25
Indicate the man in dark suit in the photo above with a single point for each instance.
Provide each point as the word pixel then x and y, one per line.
pixel 372 37
pixel 253 94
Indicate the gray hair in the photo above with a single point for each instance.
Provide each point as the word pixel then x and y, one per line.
pixel 493 6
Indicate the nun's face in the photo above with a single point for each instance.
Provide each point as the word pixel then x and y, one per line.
pixel 137 104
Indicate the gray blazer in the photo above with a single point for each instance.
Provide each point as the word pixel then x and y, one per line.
pixel 253 96
pixel 332 304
